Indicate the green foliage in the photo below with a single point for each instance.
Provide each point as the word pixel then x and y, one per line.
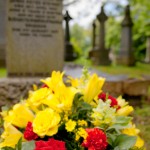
pixel 80 39
pixel 28 145
pixel 113 29
pixel 3 72
pixel 141 118
pixel 141 28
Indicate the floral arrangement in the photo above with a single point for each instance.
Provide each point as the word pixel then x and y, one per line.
pixel 74 114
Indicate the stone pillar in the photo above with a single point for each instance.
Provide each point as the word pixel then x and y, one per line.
pixel 126 56
pixel 69 50
pixel 93 34
pixel 2 32
pixel 93 39
pixel 100 56
pixel 147 58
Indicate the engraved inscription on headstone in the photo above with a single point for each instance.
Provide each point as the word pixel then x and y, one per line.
pixel 35 37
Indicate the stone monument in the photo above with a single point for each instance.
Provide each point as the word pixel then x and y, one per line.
pixel 2 32
pixel 35 44
pixel 69 49
pixel 93 40
pixel 126 56
pixel 147 58
pixel 101 55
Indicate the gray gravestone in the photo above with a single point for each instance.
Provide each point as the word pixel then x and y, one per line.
pixel 94 48
pixel 125 56
pixel 2 32
pixel 101 55
pixel 147 58
pixel 35 44
pixel 69 49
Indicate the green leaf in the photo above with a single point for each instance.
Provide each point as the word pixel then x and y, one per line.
pixel 19 144
pixel 7 148
pixel 121 123
pixel 124 142
pixel 28 145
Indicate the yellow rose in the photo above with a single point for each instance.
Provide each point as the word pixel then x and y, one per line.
pixel 46 122
pixel 70 125
pixel 36 98
pixel 124 111
pixel 10 136
pixel 20 115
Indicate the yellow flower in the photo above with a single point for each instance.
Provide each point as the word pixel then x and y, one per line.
pixel 74 81
pixel 10 136
pixel 46 122
pixel 133 131
pixel 125 111
pixel 54 81
pixel 82 123
pixel 139 142
pixel 20 115
pixel 121 101
pixel 93 88
pixel 62 98
pixel 36 98
pixel 81 133
pixel 70 125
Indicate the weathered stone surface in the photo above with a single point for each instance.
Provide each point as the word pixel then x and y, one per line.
pixel 35 44
pixel 114 88
pixel 2 32
pixel 136 87
pixel 13 90
pixel 125 55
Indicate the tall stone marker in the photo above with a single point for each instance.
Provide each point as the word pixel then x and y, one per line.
pixel 69 49
pixel 2 32
pixel 126 56
pixel 35 44
pixel 100 56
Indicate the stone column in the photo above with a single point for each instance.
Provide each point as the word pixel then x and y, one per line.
pixel 69 50
pixel 100 56
pixel 102 18
pixel 147 59
pixel 126 56
pixel 93 39
pixel 93 34
pixel 2 32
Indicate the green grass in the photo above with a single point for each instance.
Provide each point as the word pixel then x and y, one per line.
pixel 142 120
pixel 3 72
pixel 133 71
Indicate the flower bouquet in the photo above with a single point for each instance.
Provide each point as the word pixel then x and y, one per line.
pixel 74 114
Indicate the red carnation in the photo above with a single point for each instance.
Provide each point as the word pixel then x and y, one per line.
pixel 28 133
pixel 51 144
pixel 114 102
pixel 96 139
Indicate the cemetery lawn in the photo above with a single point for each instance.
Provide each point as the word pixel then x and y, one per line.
pixel 132 72
pixel 142 121
pixel 3 72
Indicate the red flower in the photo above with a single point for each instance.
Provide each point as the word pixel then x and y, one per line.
pixel 114 102
pixel 96 140
pixel 51 144
pixel 44 86
pixel 28 133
